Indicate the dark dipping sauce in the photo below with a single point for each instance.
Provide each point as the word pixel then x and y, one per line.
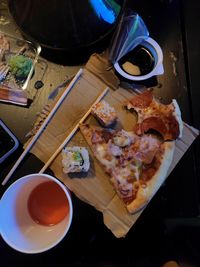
pixel 141 57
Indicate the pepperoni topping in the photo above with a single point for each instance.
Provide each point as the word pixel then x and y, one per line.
pixel 153 115
pixel 143 100
pixel 154 123
pixel 173 128
pixel 167 126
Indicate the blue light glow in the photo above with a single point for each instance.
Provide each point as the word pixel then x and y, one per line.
pixel 104 10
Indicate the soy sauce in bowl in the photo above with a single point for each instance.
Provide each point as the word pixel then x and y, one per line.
pixel 138 62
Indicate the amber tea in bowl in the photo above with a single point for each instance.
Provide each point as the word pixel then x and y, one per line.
pixel 35 213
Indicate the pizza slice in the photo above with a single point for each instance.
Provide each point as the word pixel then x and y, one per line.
pixel 136 165
pixel 153 115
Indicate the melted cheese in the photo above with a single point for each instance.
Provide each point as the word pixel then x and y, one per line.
pixel 123 138
pixel 104 156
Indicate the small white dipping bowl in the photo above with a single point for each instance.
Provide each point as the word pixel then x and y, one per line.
pixel 17 227
pixel 153 47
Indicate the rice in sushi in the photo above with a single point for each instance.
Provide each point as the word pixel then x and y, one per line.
pixel 75 159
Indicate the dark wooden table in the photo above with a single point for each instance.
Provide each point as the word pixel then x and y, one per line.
pixel 169 228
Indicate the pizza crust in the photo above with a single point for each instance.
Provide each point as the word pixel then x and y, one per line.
pixel 144 195
pixel 177 114
pixel 86 133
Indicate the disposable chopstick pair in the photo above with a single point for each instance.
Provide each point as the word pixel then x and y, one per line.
pixel 41 129
pixel 67 139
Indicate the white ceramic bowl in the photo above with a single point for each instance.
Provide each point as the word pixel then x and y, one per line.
pixel 17 227
pixel 156 52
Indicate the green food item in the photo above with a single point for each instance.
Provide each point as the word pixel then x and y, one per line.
pixel 20 66
pixel 77 156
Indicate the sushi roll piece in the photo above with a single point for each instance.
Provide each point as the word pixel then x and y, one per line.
pixel 104 113
pixel 75 159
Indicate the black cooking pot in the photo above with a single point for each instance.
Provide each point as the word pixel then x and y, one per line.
pixel 67 30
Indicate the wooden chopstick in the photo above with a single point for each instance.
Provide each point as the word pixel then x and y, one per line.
pixel 67 139
pixel 46 121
